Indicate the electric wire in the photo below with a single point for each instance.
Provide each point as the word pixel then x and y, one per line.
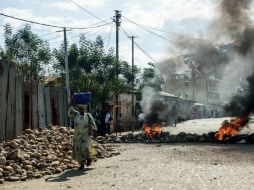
pixel 86 10
pixel 54 26
pixel 128 36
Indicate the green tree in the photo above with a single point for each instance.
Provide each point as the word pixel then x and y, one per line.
pixel 30 53
pixel 93 69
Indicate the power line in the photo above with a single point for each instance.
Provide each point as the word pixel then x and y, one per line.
pixel 162 37
pixel 172 33
pixel 54 26
pixel 50 33
pixel 138 46
pixel 86 10
pixel 128 20
pixel 109 36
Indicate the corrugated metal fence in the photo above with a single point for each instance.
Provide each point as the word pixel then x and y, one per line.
pixel 28 104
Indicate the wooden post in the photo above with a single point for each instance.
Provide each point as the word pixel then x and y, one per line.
pixel 26 86
pixel 4 72
pixel 41 107
pixel 48 105
pixel 34 93
pixel 65 107
pixel 60 106
pixel 19 112
pixel 10 123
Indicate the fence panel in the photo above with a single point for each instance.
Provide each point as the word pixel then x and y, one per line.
pixel 28 105
pixel 19 111
pixel 4 72
pixel 10 123
pixel 41 107
pixel 47 105
pixel 34 104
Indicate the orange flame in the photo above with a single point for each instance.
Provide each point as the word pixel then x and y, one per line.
pixel 152 131
pixel 229 129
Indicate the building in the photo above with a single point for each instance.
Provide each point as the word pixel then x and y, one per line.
pixel 201 90
pixel 183 105
pixel 54 81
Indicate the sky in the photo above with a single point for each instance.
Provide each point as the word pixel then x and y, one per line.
pixel 181 17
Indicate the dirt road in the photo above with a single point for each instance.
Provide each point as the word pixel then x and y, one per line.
pixel 151 166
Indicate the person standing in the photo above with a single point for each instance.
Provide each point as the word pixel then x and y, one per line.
pixel 107 121
pixel 84 125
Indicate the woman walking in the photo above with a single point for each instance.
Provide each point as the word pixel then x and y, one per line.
pixel 84 125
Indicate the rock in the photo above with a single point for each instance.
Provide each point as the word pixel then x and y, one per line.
pixel 55 163
pixel 16 167
pixel 13 178
pixel 37 175
pixel 15 154
pixel 112 136
pixel 26 162
pixel 23 178
pixel 29 131
pixel 58 170
pixel 130 135
pixel 26 145
pixel 139 138
pixel 63 129
pixel 4 153
pixel 1 180
pixel 28 167
pixel 100 138
pixel 243 141
pixel 32 138
pixel 42 165
pixel 6 173
pixel 2 160
pixel 9 169
pixel 123 138
pixel 107 136
pixel 14 144
pixel 190 137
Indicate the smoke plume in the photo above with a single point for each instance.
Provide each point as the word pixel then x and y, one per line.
pixel 238 25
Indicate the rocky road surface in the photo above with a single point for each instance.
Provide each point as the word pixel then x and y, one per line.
pixel 158 166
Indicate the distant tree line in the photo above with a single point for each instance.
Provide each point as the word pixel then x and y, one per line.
pixel 91 67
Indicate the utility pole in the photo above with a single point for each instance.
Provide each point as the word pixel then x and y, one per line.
pixel 132 82
pixel 117 20
pixel 67 78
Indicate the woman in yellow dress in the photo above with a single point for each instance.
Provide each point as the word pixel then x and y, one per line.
pixel 84 125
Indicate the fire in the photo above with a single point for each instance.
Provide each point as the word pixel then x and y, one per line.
pixel 152 131
pixel 229 129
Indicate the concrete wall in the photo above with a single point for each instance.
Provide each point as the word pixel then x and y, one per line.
pixel 205 90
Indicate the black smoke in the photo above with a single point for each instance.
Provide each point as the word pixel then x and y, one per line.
pixel 238 25
pixel 156 112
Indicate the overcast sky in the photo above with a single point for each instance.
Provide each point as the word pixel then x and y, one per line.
pixel 188 17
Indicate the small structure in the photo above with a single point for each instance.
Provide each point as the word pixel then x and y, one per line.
pixel 53 81
pixel 125 101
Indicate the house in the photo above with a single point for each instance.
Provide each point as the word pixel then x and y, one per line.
pixel 199 89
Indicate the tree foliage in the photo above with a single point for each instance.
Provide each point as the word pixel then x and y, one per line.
pixel 93 69
pixel 30 53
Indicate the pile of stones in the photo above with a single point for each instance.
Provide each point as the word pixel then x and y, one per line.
pixel 166 137
pixel 42 152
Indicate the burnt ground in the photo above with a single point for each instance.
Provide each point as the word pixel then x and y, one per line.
pixel 158 166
